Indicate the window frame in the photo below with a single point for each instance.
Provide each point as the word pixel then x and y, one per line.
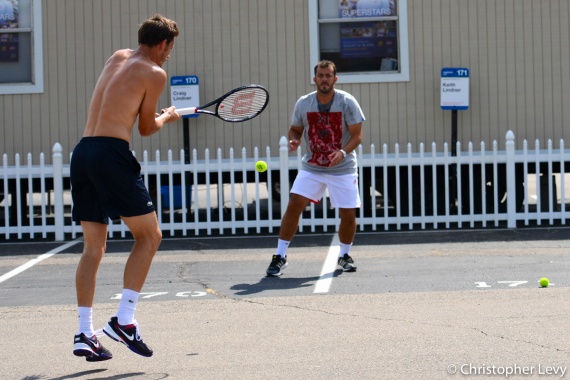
pixel 364 77
pixel 37 84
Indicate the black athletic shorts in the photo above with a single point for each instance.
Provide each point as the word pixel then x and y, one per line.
pixel 106 181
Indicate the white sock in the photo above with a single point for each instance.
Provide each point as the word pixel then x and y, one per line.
pixel 344 249
pixel 127 307
pixel 282 246
pixel 85 321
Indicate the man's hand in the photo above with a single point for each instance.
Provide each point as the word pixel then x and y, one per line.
pixel 169 114
pixel 335 158
pixel 293 145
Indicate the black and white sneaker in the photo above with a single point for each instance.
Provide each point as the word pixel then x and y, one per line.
pixel 90 348
pixel 277 266
pixel 346 263
pixel 128 335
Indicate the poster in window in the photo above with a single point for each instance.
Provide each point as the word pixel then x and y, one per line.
pixel 367 8
pixel 368 39
pixel 9 45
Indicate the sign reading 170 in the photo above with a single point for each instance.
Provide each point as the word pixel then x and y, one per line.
pixel 184 92
pixel 190 80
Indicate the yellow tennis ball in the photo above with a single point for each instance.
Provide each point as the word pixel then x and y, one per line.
pixel 260 166
pixel 544 282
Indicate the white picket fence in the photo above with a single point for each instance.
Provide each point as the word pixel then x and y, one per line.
pixel 427 189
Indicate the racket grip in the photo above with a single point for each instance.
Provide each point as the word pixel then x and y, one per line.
pixel 186 111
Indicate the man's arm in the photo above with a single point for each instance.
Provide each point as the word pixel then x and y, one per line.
pixel 355 131
pixel 295 134
pixel 149 121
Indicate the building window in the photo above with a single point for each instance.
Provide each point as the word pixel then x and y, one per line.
pixel 366 39
pixel 21 51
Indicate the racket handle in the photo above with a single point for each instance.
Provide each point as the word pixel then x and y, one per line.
pixel 186 111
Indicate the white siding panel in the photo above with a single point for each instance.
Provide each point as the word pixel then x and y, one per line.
pixel 517 51
pixel 564 74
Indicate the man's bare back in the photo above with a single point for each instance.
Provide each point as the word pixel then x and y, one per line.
pixel 129 87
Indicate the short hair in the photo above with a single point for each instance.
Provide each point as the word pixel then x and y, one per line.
pixel 157 29
pixel 324 64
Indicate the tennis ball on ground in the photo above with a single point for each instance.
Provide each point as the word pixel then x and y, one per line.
pixel 260 166
pixel 544 282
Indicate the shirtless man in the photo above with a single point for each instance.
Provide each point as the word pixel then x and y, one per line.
pixel 106 180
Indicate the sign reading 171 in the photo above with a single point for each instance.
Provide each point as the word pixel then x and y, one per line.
pixel 454 88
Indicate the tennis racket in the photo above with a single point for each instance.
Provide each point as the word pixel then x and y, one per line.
pixel 240 104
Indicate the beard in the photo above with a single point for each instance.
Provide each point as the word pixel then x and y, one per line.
pixel 326 90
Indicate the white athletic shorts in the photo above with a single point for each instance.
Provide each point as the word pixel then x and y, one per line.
pixel 343 189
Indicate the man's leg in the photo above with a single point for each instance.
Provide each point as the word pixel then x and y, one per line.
pixel 123 327
pixel 94 245
pixel 85 342
pixel 290 221
pixel 346 232
pixel 147 236
pixel 289 225
pixel 347 228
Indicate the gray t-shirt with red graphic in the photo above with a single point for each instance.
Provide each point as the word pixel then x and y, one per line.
pixel 326 131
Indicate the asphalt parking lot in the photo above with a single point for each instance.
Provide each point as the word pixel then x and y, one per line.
pixel 433 305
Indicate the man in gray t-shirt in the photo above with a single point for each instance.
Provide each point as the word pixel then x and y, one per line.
pixel 330 122
pixel 327 132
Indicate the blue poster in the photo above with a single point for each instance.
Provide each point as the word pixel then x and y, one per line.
pixel 368 39
pixel 8 41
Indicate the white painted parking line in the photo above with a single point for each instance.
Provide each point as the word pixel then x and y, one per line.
pixel 31 263
pixel 324 282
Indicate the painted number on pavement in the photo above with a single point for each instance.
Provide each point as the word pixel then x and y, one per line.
pixel 158 294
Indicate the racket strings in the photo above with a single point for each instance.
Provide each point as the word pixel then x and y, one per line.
pixel 245 103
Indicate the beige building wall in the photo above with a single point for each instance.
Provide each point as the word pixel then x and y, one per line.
pixel 518 53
